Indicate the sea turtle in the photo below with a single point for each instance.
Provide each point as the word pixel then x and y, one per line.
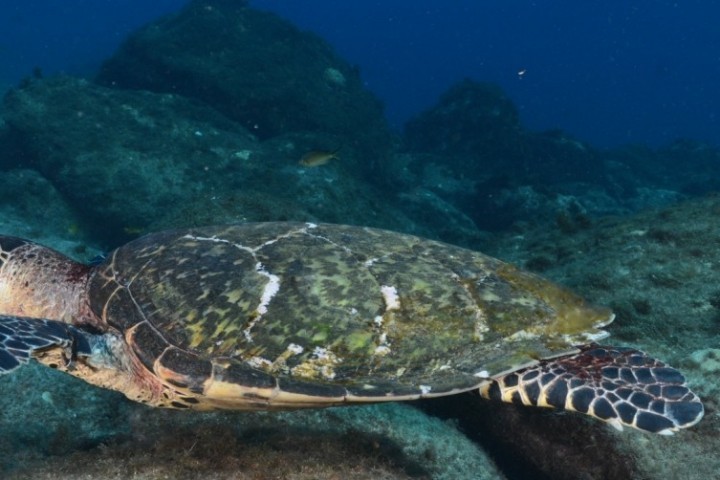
pixel 266 316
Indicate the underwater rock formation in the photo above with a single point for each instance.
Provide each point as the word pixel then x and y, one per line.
pixel 471 117
pixel 473 139
pixel 133 161
pixel 682 169
pixel 472 151
pixel 30 206
pixel 122 159
pixel 79 431
pixel 658 271
pixel 475 131
pixel 258 70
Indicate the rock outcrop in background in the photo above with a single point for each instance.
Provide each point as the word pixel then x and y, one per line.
pixel 259 71
pixel 130 161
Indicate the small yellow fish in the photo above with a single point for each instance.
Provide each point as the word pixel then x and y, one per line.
pixel 315 158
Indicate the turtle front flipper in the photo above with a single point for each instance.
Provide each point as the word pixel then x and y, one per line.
pixel 621 386
pixel 22 337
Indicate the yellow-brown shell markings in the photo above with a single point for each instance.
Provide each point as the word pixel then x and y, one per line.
pixel 328 304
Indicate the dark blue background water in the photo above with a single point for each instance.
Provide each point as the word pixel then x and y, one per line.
pixel 609 72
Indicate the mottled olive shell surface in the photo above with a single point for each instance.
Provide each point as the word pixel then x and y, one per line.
pixel 377 313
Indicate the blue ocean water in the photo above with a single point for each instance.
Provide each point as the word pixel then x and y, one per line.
pixel 607 72
pixel 70 37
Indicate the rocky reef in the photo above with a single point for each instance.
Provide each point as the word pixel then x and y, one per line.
pixel 658 271
pixel 258 70
pixel 131 161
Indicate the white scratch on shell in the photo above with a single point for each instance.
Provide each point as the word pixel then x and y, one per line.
pixel 382 350
pixel 271 289
pixel 321 353
pixel 295 348
pixel 522 335
pixel 258 362
pixel 390 296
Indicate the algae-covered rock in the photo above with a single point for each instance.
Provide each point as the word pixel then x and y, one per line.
pixel 30 206
pixel 540 443
pixel 707 360
pixel 255 68
pixel 654 177
pixel 658 270
pixel 475 130
pixel 436 217
pixel 471 150
pixel 469 118
pixel 124 156
pixel 133 161
pixel 61 428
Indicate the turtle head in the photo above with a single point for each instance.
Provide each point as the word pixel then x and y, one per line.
pixel 36 281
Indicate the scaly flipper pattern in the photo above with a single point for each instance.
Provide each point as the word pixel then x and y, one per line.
pixel 621 386
pixel 21 337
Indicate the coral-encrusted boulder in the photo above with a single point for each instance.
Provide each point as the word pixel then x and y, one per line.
pixel 133 161
pixel 471 117
pixel 122 159
pixel 255 68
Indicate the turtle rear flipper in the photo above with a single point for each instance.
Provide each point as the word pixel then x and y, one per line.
pixel 22 337
pixel 621 386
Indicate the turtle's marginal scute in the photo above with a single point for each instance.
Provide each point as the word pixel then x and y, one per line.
pixel 312 389
pixel 183 369
pixel 603 382
pixel 113 302
pixel 241 374
pixel 147 344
